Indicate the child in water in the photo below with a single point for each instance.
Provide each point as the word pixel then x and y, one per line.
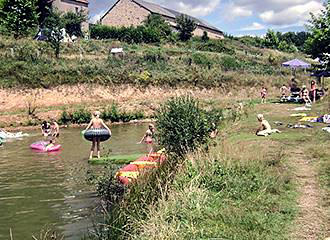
pixel 96 122
pixel 50 145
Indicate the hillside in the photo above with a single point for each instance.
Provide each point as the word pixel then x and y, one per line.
pixel 28 63
pixel 86 75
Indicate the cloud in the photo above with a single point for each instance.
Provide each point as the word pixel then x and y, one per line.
pixel 253 27
pixel 298 14
pixel 192 7
pixel 274 12
pixel 97 16
pixel 235 11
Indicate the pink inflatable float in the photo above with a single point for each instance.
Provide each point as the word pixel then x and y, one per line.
pixel 45 147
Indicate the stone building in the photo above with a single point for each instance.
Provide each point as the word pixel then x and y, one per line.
pixel 134 12
pixel 73 6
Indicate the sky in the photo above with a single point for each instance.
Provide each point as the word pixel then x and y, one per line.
pixel 237 17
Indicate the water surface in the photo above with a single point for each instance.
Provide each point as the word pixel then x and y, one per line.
pixel 39 189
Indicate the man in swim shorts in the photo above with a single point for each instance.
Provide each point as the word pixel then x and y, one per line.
pixel 96 122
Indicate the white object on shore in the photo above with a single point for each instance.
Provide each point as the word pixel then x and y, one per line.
pixel 304 108
pixel 117 50
pixel 327 129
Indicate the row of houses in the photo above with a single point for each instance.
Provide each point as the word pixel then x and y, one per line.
pixel 133 13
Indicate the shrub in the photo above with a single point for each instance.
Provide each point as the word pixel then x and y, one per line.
pixel 65 118
pixel 185 26
pixel 182 125
pixel 229 63
pixel 111 113
pixel 154 55
pixel 140 34
pixel 214 46
pixel 81 115
pixel 205 37
pixel 201 59
pixel 158 23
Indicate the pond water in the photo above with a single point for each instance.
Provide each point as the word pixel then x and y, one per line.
pixel 49 189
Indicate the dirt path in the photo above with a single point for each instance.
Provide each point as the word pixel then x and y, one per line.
pixel 311 222
pixel 308 224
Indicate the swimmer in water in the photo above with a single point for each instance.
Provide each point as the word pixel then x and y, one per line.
pixel 96 122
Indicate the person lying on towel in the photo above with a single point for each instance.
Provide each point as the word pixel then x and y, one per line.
pixel 264 128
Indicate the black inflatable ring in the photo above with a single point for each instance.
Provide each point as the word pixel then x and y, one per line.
pixel 98 133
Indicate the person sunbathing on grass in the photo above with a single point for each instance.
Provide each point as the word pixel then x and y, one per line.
pixel 264 128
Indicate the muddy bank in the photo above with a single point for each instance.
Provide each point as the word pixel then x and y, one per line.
pixel 50 103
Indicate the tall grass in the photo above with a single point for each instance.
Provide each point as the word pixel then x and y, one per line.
pixel 127 206
pixel 215 196
pixel 27 63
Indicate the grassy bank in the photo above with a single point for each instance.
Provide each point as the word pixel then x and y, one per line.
pixel 243 187
pixel 228 63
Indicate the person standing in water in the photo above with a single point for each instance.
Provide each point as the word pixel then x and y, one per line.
pixel 45 129
pixel 55 130
pixel 148 137
pixel 96 122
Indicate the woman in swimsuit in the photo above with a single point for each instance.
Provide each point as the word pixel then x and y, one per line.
pixel 148 137
pixel 313 90
pixel 96 122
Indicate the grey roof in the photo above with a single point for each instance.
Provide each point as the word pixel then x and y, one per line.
pixel 154 8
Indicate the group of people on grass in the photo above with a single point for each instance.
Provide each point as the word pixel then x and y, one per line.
pixel 304 93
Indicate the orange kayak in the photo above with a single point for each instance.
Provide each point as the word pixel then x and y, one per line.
pixel 130 172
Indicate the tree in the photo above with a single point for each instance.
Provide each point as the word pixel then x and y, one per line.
pixel 185 26
pixel 205 37
pixel 54 26
pixel 18 17
pixel 43 9
pixel 157 23
pixel 271 39
pixel 318 43
pixel 286 47
pixel 73 21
